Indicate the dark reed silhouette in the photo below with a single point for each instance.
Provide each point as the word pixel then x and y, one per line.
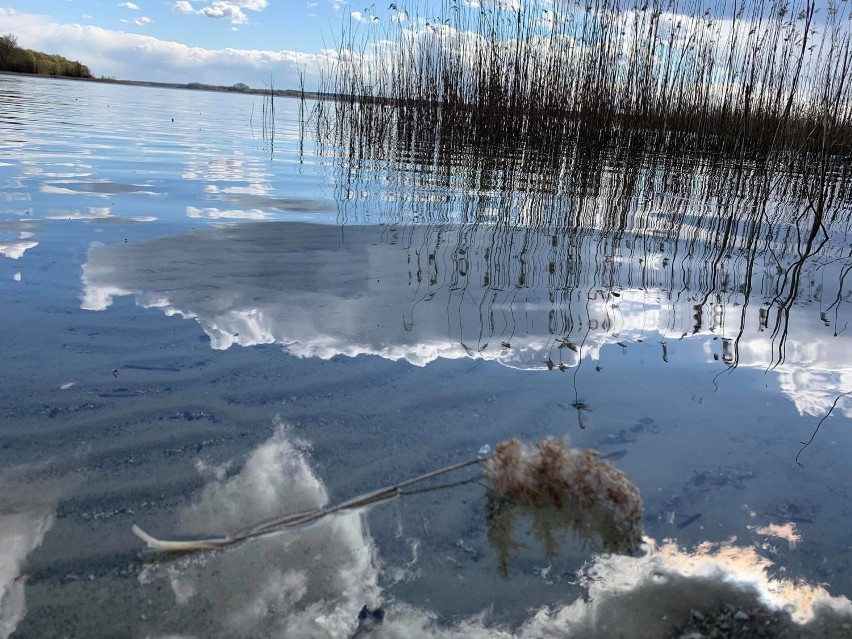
pixel 729 75
pixel 714 137
pixel 715 235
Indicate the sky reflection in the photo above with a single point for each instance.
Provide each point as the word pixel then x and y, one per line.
pixel 309 583
pixel 15 249
pixel 420 293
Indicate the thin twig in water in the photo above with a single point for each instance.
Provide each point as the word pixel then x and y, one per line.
pixel 816 430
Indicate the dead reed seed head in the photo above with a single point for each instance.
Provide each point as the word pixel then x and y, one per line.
pixel 553 473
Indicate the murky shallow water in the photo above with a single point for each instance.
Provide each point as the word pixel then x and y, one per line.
pixel 201 333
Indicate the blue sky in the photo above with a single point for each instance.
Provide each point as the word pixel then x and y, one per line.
pixel 221 41
pixel 270 24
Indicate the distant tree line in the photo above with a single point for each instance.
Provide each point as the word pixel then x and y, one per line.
pixel 14 58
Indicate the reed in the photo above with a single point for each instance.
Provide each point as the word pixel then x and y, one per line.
pixel 547 475
pixel 726 76
pixel 268 115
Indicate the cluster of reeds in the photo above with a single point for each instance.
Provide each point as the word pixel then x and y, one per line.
pixel 727 75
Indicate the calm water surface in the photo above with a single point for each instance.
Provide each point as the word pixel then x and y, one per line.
pixel 204 327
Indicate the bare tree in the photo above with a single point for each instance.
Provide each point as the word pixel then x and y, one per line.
pixel 8 45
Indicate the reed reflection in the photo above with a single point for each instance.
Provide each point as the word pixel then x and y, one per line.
pixel 736 242
pixel 525 297
pixel 536 257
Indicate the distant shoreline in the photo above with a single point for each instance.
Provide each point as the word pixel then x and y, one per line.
pixel 192 86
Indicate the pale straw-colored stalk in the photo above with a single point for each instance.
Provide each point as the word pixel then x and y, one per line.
pixel 548 473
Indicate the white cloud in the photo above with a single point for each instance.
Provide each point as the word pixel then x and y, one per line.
pixel 222 9
pixel 182 6
pixel 225 10
pixel 503 5
pixel 280 589
pixel 815 371
pixel 142 21
pixel 253 5
pixel 132 56
pixel 129 5
pixel 234 214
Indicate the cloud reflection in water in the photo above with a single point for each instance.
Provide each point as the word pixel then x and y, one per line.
pixel 313 581
pixel 309 583
pixel 522 297
pixel 14 249
pixel 27 512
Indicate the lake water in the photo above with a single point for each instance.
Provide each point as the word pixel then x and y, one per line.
pixel 204 327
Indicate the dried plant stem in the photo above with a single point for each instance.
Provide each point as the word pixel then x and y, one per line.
pixel 549 473
pixel 292 520
pixel 356 502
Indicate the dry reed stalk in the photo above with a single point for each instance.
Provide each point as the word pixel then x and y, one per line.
pixel 539 474
pixel 291 520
